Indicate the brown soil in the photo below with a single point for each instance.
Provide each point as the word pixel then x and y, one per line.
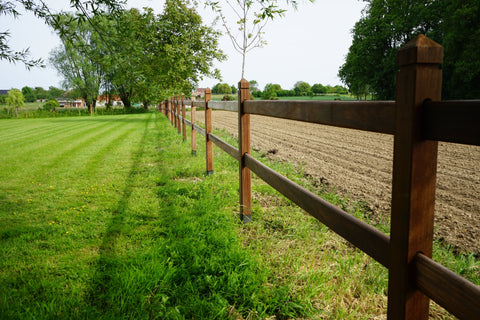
pixel 359 164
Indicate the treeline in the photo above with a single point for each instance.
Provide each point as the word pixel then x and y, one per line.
pixel 38 93
pixel 136 54
pixel 272 91
pixel 386 26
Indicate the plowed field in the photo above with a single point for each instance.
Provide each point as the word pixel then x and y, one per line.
pixel 359 164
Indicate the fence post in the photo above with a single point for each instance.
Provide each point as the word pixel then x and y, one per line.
pixel 414 176
pixel 194 132
pixel 177 110
pixel 208 129
pixel 244 148
pixel 169 111
pixel 184 125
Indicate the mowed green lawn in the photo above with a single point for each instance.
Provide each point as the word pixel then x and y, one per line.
pixel 112 217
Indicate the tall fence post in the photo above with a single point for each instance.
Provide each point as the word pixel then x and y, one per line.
pixel 208 129
pixel 414 176
pixel 194 132
pixel 184 125
pixel 244 148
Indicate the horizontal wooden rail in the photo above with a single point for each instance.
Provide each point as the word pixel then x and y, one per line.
pixel 199 104
pixel 224 105
pixel 375 116
pixel 187 122
pixel 456 294
pixel 199 129
pixel 231 150
pixel 452 121
pixel 363 236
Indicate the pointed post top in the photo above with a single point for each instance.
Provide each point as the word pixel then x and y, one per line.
pixel 420 50
pixel 243 84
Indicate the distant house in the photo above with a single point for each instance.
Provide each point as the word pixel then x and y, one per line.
pixel 69 103
pixel 199 92
pixel 3 92
pixel 102 100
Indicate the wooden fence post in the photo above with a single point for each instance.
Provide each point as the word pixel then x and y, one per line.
pixel 184 125
pixel 244 148
pixel 177 110
pixel 194 132
pixel 169 111
pixel 208 129
pixel 414 176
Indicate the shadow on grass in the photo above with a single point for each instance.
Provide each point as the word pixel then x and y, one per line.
pixel 109 263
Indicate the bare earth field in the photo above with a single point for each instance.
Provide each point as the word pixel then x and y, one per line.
pixel 359 164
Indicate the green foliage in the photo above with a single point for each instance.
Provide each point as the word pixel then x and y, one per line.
pixel 29 94
pixel 41 10
pixel 270 91
pixel 301 88
pixel 370 66
pixel 318 88
pixel 40 93
pixel 51 105
pixel 222 88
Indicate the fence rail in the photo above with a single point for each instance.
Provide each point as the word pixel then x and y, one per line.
pixel 418 120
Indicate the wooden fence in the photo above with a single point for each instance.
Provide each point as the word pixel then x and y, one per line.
pixel 418 120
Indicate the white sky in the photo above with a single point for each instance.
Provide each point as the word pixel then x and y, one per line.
pixel 309 44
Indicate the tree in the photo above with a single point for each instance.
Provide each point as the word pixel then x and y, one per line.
pixel 270 91
pixel 54 93
pixel 245 20
pixel 28 94
pixel 40 9
pixel 76 59
pixel 253 86
pixel 225 88
pixel 301 88
pixel 15 99
pixel 318 88
pixel 234 89
pixel 40 93
pixel 370 65
pixel 460 36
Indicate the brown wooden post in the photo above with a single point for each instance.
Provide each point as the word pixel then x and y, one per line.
pixel 184 125
pixel 194 132
pixel 169 107
pixel 177 110
pixel 414 176
pixel 244 148
pixel 208 129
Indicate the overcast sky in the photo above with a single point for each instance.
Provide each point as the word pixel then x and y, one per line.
pixel 309 44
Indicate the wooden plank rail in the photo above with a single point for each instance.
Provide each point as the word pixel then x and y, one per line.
pixel 224 105
pixel 418 120
pixel 363 236
pixel 199 104
pixel 199 129
pixel 375 116
pixel 229 149
pixel 452 121
pixel 459 296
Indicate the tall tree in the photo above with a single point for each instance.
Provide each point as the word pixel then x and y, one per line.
pixel 15 99
pixel 386 25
